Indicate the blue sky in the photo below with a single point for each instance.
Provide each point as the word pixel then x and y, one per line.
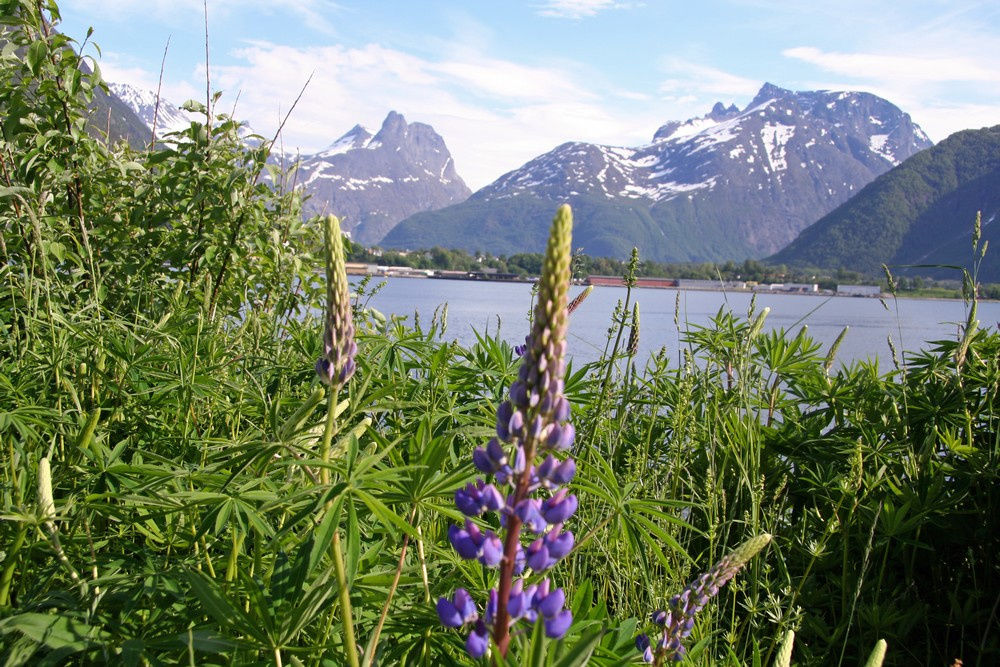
pixel 505 81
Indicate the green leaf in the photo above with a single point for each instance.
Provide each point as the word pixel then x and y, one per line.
pixel 353 544
pixel 538 642
pixel 36 56
pixel 219 607
pixel 581 651
pixel 55 632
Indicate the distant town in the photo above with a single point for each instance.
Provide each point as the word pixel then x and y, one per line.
pixel 494 275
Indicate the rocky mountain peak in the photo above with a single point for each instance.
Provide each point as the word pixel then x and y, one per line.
pixel 768 92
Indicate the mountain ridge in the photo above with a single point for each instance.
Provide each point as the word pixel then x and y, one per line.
pixel 732 184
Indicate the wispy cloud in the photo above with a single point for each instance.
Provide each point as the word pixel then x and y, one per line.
pixel 693 87
pixel 578 9
pixel 913 67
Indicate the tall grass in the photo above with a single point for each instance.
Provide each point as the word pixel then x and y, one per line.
pixel 157 353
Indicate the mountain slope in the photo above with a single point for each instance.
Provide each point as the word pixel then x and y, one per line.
pixel 921 212
pixel 729 185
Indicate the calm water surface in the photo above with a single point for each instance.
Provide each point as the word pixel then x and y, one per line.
pixel 485 306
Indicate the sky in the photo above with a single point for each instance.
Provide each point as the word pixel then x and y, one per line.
pixel 504 81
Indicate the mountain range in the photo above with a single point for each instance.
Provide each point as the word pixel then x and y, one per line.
pixel 733 184
pixel 150 108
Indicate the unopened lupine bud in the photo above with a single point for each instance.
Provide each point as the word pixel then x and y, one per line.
pixel 633 337
pixel 877 656
pixel 784 655
pixel 336 366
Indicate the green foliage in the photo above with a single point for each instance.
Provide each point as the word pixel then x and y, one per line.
pixel 921 212
pixel 159 330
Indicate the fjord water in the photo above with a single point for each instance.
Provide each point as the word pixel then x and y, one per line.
pixel 485 306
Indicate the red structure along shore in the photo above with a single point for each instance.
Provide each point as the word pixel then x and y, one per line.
pixel 618 281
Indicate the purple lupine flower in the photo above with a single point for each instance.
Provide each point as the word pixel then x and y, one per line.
pixel 532 424
pixel 678 621
pixel 459 611
pixel 477 498
pixel 644 647
pixel 337 365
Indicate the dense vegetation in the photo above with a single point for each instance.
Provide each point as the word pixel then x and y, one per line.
pixel 158 350
pixel 919 213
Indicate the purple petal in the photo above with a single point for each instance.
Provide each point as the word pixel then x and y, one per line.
pixel 559 543
pixel 557 626
pixel 528 511
pixel 449 614
pixel 492 551
pixel 478 641
pixel 538 556
pixel 559 507
pixel 566 470
pixel 552 604
pixel 464 545
pixel 465 605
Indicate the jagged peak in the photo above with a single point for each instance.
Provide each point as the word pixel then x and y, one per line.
pixel 394 127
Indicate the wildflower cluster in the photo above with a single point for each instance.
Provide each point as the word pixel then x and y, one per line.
pixel 525 478
pixel 678 621
pixel 336 366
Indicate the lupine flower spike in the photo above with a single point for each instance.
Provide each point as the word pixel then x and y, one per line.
pixel 678 620
pixel 336 366
pixel 533 432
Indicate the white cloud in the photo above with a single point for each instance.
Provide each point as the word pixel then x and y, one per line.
pixel 691 88
pixel 577 9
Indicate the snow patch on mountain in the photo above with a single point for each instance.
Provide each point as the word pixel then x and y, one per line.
pixel 148 107
pixel 775 138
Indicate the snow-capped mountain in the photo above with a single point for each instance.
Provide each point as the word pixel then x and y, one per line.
pixel 370 180
pixel 144 103
pixel 731 184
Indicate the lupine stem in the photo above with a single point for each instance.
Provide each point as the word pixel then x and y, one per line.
pixel 350 645
pixel 501 631
pixel 336 552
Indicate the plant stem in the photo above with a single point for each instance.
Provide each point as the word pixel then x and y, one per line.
pixel 350 645
pixel 336 551
pixel 392 591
